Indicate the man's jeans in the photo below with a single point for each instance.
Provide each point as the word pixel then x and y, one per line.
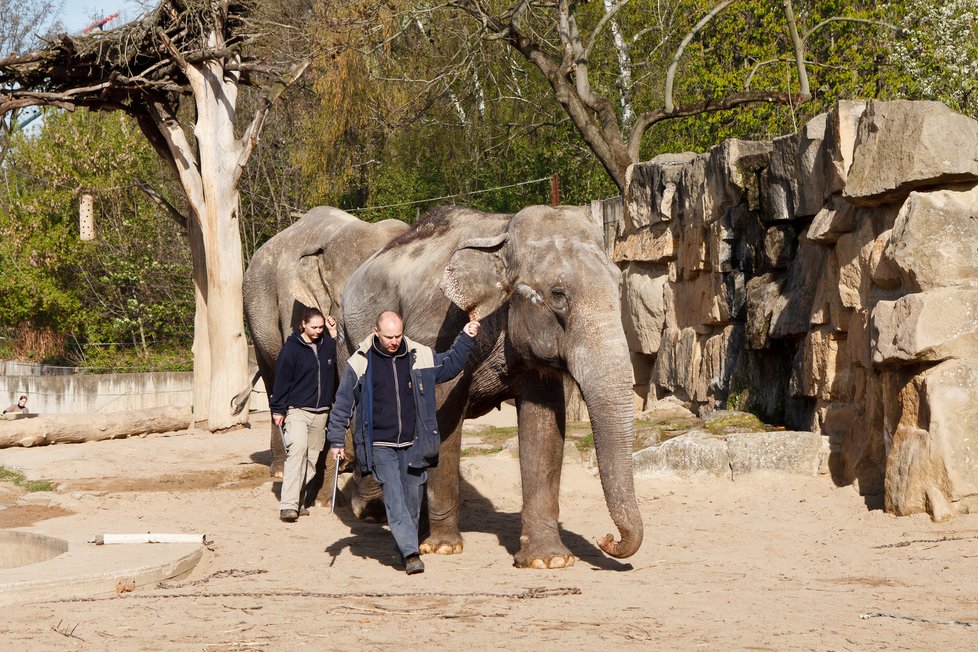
pixel 403 489
pixel 305 435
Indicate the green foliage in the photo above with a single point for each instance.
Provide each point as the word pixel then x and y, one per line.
pixel 498 434
pixel 420 105
pixel 735 422
pixel 405 121
pixel 478 452
pixel 19 479
pixel 117 358
pixel 585 443
pixel 846 57
pixel 132 283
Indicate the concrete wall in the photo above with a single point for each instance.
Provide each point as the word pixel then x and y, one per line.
pixel 827 280
pixel 60 393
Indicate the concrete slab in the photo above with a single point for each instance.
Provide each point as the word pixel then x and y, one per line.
pixel 87 570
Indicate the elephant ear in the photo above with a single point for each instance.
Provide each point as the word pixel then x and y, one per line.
pixel 308 284
pixel 475 277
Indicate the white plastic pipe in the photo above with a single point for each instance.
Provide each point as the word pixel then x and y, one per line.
pixel 149 537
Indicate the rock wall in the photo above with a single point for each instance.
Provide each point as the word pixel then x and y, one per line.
pixel 826 280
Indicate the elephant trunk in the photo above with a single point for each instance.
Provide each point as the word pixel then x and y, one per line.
pixel 606 386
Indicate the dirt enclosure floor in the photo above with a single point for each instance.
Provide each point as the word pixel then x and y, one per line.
pixel 770 562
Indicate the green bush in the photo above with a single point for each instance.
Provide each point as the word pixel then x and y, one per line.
pixel 18 478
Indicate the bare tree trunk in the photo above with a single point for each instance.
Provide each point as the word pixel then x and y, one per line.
pixel 221 357
pixel 624 69
pixel 76 428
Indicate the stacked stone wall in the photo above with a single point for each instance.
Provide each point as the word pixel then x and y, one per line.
pixel 827 281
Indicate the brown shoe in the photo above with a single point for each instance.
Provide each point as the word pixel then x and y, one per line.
pixel 289 515
pixel 413 565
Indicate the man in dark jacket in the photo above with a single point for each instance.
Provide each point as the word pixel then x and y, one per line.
pixel 305 385
pixel 388 389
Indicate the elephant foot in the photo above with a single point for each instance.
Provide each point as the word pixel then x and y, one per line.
pixel 440 548
pixel 442 543
pixel 369 511
pixel 543 556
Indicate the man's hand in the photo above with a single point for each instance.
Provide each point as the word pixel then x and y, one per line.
pixel 336 454
pixel 472 328
pixel 331 326
pixel 278 419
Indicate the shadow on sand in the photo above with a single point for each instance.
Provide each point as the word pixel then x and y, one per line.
pixel 370 540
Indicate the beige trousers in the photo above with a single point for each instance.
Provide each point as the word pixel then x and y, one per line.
pixel 304 438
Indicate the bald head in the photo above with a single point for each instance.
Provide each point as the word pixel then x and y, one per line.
pixel 389 330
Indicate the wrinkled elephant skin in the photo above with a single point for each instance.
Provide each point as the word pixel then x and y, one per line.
pixel 548 298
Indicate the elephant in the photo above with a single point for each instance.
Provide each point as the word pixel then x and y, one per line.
pixel 305 265
pixel 548 298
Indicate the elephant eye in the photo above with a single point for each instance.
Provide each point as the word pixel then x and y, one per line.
pixel 558 297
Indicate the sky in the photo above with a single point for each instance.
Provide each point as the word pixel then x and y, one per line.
pixel 76 15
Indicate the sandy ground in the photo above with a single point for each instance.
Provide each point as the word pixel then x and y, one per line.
pixel 770 562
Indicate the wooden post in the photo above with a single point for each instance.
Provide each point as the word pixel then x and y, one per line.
pixel 86 217
pixel 555 189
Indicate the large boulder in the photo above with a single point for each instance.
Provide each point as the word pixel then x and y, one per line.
pixel 695 201
pixel 816 180
pixel 664 369
pixel 834 219
pixel 934 242
pixel 852 254
pixel 701 301
pixel 841 131
pixel 926 326
pixel 732 174
pixel 697 451
pixel 792 312
pixel 882 269
pixel 793 452
pixel 650 189
pixel 916 480
pixel 906 145
pixel 780 180
pixel 654 244
pixel 643 307
pixel 763 293
pixel 950 391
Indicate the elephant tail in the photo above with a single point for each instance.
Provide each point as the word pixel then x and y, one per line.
pixel 241 398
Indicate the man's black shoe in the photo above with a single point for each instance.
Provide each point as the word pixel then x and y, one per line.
pixel 413 565
pixel 289 515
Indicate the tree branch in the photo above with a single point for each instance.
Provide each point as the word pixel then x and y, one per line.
pixel 180 151
pixel 608 15
pixel 167 207
pixel 649 119
pixel 843 19
pixel 250 138
pixel 670 75
pixel 799 47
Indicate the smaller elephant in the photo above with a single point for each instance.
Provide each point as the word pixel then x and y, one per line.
pixel 305 265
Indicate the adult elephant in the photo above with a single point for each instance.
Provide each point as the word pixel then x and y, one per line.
pixel 548 298
pixel 306 265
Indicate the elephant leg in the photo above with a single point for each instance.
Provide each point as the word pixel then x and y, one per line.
pixel 367 500
pixel 266 368
pixel 444 536
pixel 541 422
pixel 277 469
